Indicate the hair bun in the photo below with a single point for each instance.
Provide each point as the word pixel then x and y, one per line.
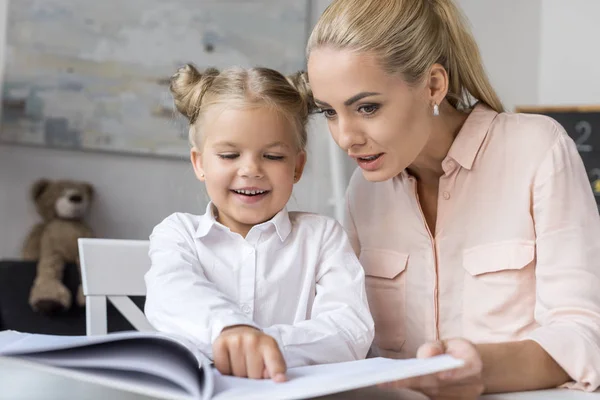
pixel 188 86
pixel 299 81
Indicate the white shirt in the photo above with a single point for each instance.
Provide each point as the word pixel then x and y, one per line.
pixel 295 277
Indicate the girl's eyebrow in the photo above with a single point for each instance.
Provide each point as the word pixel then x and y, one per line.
pixel 277 144
pixel 224 144
pixel 227 144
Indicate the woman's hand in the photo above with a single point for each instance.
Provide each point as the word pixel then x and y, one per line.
pixel 246 352
pixel 462 383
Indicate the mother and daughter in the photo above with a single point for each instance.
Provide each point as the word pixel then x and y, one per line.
pixel 469 230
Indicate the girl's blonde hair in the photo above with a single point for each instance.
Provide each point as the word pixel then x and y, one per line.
pixel 196 92
pixel 409 36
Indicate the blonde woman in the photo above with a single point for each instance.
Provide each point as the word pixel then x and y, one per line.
pixel 477 228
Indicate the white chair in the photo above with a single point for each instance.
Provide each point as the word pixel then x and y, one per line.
pixel 113 270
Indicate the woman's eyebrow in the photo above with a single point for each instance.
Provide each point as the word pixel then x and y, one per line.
pixel 351 100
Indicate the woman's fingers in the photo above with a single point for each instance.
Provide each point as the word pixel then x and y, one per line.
pixel 430 349
pixel 460 383
pixel 466 351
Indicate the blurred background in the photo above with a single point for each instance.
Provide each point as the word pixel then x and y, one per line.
pixel 85 95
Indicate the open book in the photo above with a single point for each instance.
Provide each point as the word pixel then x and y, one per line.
pixel 163 366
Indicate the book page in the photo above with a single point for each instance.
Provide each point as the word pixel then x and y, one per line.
pixel 319 380
pixel 9 339
pixel 145 353
pixel 33 343
pixel 139 356
pixel 130 382
pixel 161 366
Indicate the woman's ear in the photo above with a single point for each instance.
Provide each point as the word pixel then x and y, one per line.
pixel 299 167
pixel 437 84
pixel 196 158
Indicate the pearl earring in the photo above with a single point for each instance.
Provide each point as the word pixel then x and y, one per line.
pixel 201 175
pixel 436 110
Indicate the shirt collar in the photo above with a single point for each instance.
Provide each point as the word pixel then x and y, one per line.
pixel 281 222
pixel 466 146
pixel 206 221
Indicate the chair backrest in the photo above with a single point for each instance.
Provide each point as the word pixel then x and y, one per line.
pixel 112 270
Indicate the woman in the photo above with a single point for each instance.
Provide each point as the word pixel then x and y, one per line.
pixel 477 228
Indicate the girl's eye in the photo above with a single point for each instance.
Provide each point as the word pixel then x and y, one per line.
pixel 274 157
pixel 368 109
pixel 228 156
pixel 327 112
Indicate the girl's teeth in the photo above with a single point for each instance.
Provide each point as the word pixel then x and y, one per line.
pixel 250 192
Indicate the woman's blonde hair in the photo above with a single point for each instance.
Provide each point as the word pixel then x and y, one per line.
pixel 195 92
pixel 409 36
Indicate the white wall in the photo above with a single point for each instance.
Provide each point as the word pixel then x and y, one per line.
pixel 133 193
pixel 570 52
pixel 508 35
pixel 536 52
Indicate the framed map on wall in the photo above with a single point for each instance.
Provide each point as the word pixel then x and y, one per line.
pixel 93 74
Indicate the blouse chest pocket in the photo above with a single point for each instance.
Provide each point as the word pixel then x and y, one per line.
pixel 499 289
pixel 385 286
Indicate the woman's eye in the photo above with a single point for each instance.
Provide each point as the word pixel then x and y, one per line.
pixel 228 156
pixel 274 157
pixel 327 112
pixel 368 109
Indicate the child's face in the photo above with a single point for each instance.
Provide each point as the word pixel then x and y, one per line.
pixel 249 163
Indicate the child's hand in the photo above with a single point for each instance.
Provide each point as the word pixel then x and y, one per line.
pixel 245 351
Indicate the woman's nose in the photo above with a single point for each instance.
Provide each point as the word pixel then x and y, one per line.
pixel 347 135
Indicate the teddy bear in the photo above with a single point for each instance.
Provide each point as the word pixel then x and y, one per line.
pixel 62 204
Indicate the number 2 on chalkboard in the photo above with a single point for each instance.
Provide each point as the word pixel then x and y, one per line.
pixel 584 129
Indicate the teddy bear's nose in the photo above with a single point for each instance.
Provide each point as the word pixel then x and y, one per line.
pixel 75 198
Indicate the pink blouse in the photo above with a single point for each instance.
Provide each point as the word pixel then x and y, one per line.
pixel 514 254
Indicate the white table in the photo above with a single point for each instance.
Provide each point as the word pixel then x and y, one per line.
pixel 18 382
pixel 556 394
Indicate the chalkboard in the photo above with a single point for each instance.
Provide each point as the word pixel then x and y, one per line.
pixel 583 125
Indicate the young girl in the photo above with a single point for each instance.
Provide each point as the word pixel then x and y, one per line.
pixel 254 287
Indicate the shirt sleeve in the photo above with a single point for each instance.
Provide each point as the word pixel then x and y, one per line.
pixel 567 229
pixel 340 326
pixel 180 300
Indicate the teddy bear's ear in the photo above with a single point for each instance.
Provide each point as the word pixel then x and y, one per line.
pixel 90 190
pixel 38 188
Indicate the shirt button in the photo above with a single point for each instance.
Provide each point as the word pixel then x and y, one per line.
pixel 246 309
pixel 446 195
pixel 250 251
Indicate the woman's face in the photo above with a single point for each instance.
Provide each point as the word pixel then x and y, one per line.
pixel 377 118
